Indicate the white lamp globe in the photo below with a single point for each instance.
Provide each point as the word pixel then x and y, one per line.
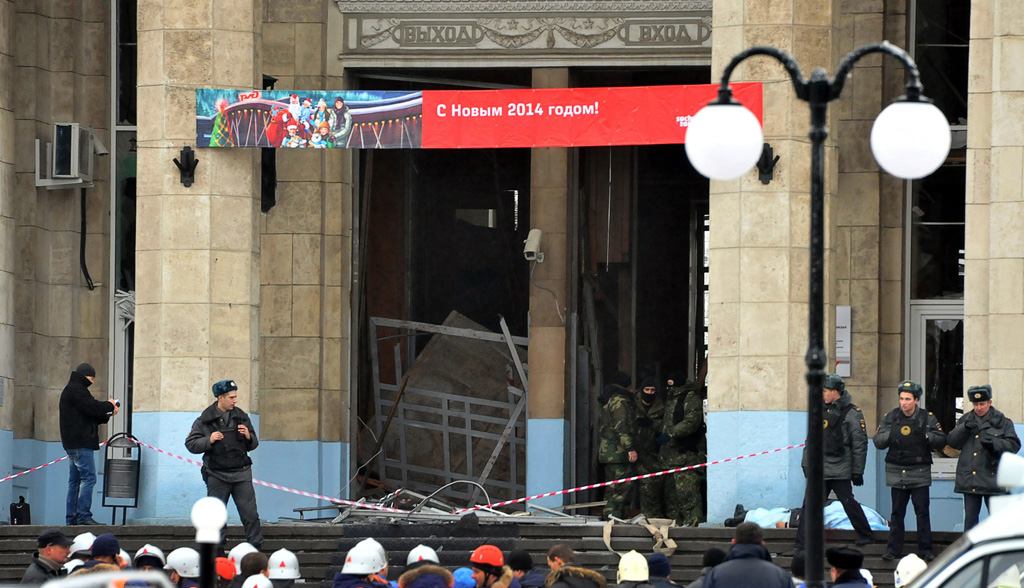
pixel 208 517
pixel 910 139
pixel 724 141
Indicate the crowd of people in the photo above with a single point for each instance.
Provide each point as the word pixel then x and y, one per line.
pixel 747 562
pixel 58 556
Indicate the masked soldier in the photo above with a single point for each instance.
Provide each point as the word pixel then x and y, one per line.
pixel 683 445
pixel 846 451
pixel 650 414
pixel 617 449
pixel 910 433
pixel 981 435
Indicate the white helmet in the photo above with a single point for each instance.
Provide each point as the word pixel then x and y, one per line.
pixel 185 561
pixel 72 565
pixel 148 550
pixel 632 568
pixel 364 559
pixel 371 542
pixel 908 569
pixel 257 581
pixel 127 559
pixel 82 542
pixel 238 552
pixel 422 553
pixel 284 565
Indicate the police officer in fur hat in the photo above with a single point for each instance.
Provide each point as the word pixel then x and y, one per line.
pixel 981 435
pixel 846 563
pixel 846 448
pixel 910 433
pixel 224 435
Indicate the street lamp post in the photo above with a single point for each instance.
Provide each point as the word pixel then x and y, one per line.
pixel 910 139
pixel 208 517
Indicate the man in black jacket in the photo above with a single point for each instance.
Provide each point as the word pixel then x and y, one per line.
pixel 224 435
pixel 48 561
pixel 80 418
pixel 748 563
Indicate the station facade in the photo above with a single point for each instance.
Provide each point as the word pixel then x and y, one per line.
pixel 168 288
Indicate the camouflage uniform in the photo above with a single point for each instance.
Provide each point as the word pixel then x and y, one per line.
pixel 652 490
pixel 617 427
pixel 687 445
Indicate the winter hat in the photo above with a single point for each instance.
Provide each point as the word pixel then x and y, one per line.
pixel 844 558
pixel 105 544
pixel 224 386
pixel 834 382
pixel 86 370
pixel 519 560
pixel 979 393
pixel 658 565
pixel 910 386
pixel 464 578
pixel 649 382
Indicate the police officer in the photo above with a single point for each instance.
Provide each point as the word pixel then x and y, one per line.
pixel 846 450
pixel 683 444
pixel 910 433
pixel 224 435
pixel 617 448
pixel 650 414
pixel 981 435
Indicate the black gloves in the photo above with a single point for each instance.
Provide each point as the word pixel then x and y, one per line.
pixel 858 479
pixel 987 441
pixel 971 425
pixel 662 439
pixel 644 421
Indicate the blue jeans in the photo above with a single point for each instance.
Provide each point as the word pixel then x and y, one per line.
pixel 81 480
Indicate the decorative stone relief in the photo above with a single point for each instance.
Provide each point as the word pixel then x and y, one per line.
pixel 527 32
pixel 520 6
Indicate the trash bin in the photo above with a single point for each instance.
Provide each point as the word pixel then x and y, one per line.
pixel 121 477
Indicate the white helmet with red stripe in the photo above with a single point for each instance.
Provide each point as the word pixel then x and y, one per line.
pixel 257 581
pixel 238 552
pixel 152 551
pixel 284 565
pixel 421 553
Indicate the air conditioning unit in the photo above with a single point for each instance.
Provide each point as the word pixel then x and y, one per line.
pixel 68 161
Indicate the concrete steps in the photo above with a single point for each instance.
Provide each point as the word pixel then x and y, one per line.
pixel 321 547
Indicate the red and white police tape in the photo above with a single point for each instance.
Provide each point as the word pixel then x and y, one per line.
pixel 399 511
pixel 623 480
pixel 38 467
pixel 279 487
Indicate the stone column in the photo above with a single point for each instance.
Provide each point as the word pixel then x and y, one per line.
pixel 546 426
pixel 994 271
pixel 759 263
pixel 8 243
pixel 197 314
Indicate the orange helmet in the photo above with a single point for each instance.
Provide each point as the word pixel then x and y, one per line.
pixel 488 555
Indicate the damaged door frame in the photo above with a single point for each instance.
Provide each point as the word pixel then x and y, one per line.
pixel 383 406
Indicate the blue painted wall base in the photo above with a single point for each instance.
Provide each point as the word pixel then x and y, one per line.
pixel 169 487
pixel 546 463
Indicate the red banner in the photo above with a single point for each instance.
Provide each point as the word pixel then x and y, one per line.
pixel 569 117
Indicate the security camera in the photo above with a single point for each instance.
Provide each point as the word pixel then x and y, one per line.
pixel 532 250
